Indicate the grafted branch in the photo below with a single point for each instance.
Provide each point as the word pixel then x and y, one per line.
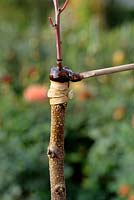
pixel 106 71
pixel 56 26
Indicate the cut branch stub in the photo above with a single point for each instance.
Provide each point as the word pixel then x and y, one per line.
pixel 60 190
pixel 53 152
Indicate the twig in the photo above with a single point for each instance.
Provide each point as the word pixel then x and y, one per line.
pixel 64 6
pixel 56 27
pixel 105 71
pixel 51 22
pixel 56 7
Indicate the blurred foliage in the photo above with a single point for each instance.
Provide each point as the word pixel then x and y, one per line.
pixel 99 140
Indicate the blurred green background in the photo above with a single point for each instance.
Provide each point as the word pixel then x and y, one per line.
pixel 99 131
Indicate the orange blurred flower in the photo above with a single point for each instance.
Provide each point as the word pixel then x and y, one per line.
pixel 85 95
pixel 131 197
pixel 82 92
pixel 7 79
pixel 119 113
pixel 124 190
pixel 32 72
pixel 118 57
pixel 35 93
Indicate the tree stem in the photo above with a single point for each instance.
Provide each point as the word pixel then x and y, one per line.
pixel 58 95
pixel 56 152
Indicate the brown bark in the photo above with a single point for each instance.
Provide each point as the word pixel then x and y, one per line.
pixel 56 152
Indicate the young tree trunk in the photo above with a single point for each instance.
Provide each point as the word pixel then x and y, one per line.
pixel 58 94
pixel 56 152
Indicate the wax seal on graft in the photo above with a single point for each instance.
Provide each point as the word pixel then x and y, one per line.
pixel 64 75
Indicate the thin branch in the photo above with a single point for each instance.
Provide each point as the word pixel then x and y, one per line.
pixel 56 27
pixel 51 22
pixel 56 5
pixel 105 71
pixel 64 6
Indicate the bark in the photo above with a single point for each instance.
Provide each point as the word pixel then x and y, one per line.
pixel 56 152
